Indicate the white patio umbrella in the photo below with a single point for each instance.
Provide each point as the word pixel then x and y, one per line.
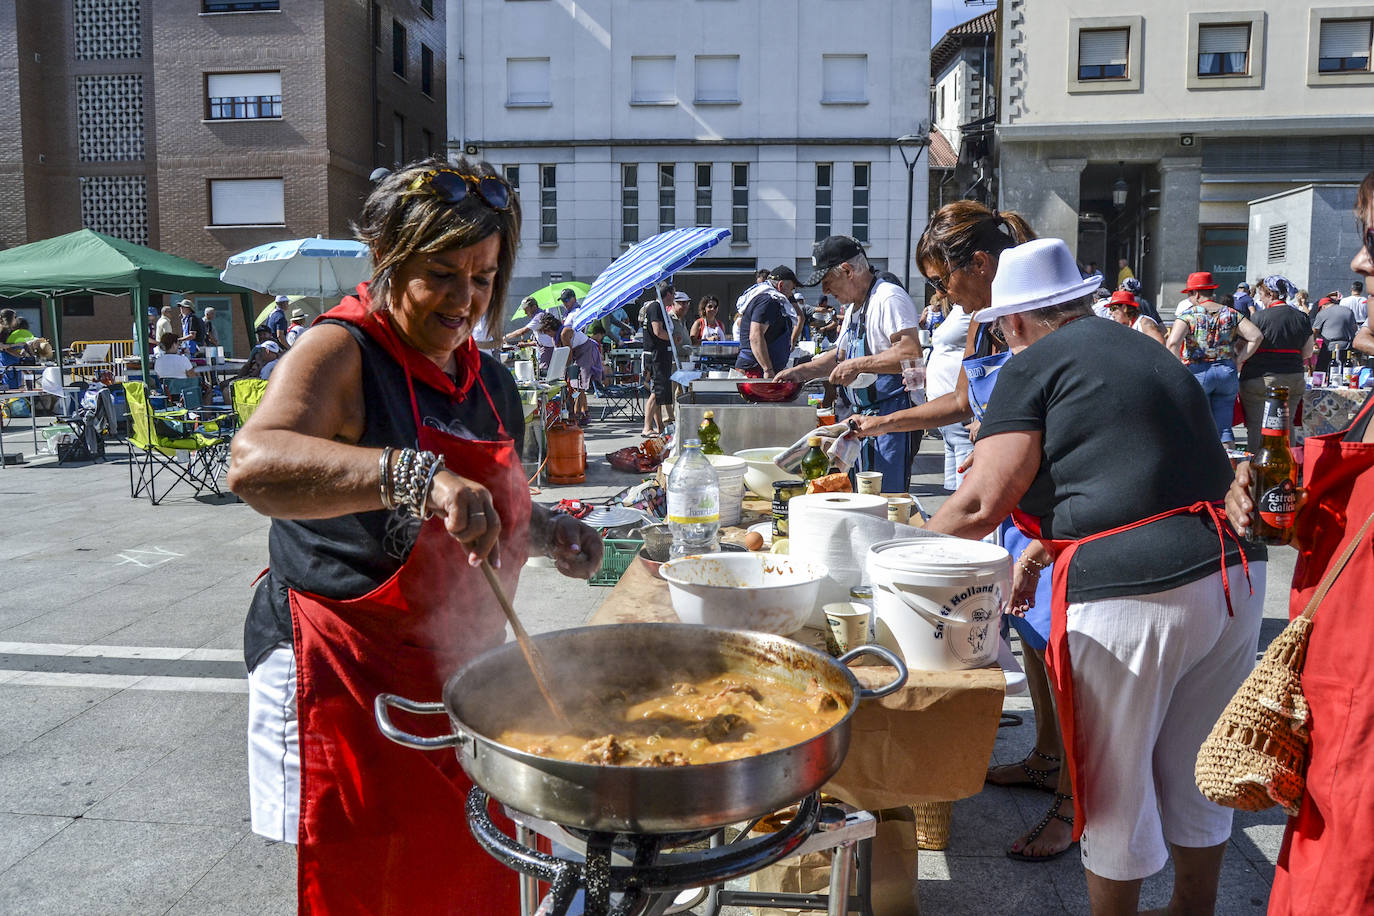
pixel 302 267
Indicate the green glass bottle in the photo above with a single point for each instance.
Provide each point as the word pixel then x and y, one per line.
pixel 709 433
pixel 815 463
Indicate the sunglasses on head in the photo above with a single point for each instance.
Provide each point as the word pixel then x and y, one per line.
pixel 452 187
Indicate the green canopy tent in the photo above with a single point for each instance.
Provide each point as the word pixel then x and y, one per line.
pixel 84 262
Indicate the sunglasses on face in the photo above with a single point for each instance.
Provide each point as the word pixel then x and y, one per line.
pixel 452 187
pixel 1369 240
pixel 941 284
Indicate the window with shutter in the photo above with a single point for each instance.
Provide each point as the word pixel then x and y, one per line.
pixel 1223 50
pixel 653 80
pixel 1102 53
pixel 246 202
pixel 717 79
pixel 1345 45
pixel 844 79
pixel 243 95
pixel 527 82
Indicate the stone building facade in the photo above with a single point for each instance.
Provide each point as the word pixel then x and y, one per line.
pixel 1142 132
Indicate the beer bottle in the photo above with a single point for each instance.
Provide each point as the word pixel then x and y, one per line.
pixel 1274 474
pixel 709 433
pixel 814 463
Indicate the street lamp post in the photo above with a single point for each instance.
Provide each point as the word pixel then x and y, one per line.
pixel 919 141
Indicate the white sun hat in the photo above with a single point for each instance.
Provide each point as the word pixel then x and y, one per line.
pixel 1035 275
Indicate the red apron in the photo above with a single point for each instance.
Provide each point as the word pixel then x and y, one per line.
pixel 382 827
pixel 1325 866
pixel 1057 660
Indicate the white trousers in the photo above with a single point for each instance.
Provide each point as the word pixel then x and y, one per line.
pixel 274 747
pixel 1151 675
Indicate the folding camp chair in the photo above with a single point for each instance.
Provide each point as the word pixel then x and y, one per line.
pixel 185 390
pixel 245 394
pixel 88 428
pixel 153 446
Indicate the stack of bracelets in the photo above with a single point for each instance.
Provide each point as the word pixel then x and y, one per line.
pixel 407 485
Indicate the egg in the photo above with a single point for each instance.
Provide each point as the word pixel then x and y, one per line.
pixel 753 540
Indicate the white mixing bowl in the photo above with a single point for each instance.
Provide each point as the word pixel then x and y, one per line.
pixel 744 591
pixel 761 473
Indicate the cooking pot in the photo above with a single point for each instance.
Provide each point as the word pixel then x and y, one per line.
pixel 768 392
pixel 487 695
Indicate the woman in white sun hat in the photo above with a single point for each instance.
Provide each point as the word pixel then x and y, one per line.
pixel 1157 603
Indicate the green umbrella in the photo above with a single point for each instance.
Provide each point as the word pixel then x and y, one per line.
pixel 547 296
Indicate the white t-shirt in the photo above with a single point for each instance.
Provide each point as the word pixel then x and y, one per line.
pixel 890 311
pixel 1100 308
pixel 1359 306
pixel 294 331
pixel 578 339
pixel 171 365
pixel 947 353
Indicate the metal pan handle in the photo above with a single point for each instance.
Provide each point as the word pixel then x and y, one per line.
pixel 383 713
pixel 865 693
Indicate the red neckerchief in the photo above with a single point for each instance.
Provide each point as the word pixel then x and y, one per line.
pixel 357 311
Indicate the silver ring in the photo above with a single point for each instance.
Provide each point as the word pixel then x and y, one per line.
pixel 481 512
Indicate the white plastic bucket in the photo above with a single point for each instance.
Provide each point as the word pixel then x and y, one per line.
pixel 730 475
pixel 938 601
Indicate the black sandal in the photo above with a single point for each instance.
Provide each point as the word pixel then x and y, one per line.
pixel 1059 799
pixel 1035 779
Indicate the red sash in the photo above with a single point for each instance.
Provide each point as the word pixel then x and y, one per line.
pixel 1057 660
pixel 382 827
pixel 1317 872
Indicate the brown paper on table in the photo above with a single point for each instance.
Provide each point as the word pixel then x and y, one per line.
pixel 929 742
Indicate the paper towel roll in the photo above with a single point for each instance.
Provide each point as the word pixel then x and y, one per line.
pixel 836 529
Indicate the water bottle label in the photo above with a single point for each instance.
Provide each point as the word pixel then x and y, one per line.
pixel 693 509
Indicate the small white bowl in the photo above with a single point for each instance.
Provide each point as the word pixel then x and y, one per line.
pixel 744 591
pixel 762 473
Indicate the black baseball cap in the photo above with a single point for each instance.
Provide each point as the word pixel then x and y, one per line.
pixel 782 272
pixel 829 252
pixel 568 293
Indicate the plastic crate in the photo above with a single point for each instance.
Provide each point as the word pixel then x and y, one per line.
pixel 617 556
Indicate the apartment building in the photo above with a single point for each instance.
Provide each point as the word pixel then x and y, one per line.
pixel 963 111
pixel 1143 131
pixel 205 127
pixel 618 119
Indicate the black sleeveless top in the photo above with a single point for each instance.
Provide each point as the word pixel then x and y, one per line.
pixel 350 555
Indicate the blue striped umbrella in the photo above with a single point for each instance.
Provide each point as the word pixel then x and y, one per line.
pixel 641 265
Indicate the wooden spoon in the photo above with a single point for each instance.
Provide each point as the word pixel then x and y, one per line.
pixel 527 646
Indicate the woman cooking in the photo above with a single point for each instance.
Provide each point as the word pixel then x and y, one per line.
pixel 383 451
pixel 1154 623
pixel 1325 866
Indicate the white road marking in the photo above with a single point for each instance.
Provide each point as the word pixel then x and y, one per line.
pixel 147 558
pixel 97 651
pixel 122 682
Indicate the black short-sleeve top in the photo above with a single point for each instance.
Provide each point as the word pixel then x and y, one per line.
pixel 1127 434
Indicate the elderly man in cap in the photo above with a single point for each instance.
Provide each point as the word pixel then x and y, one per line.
pixel 879 331
pixel 192 335
pixel 765 327
pixel 276 320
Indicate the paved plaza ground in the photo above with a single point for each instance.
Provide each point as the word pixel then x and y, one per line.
pixel 123 786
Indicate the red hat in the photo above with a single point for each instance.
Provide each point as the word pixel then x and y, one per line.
pixel 1199 281
pixel 1121 297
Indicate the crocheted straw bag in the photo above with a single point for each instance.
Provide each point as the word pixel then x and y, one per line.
pixel 1256 755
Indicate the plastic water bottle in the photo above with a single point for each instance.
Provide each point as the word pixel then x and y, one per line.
pixel 693 502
